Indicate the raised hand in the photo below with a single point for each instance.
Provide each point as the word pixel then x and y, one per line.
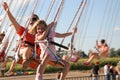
pixel 51 24
pixel 75 29
pixel 5 5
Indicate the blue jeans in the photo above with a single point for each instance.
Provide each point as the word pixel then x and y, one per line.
pixel 95 77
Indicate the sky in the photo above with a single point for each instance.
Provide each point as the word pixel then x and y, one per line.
pixel 100 19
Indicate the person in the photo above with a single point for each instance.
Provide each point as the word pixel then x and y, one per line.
pixel 1 51
pixel 27 46
pixel 73 57
pixel 95 70
pixel 1 37
pixel 107 71
pixel 112 71
pixel 4 41
pixel 101 51
pixel 117 71
pixel 42 32
pixel 3 46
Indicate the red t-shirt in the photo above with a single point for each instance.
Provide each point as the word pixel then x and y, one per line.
pixel 28 37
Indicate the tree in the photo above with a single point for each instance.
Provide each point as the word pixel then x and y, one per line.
pixel 82 54
pixel 112 52
pixel 117 52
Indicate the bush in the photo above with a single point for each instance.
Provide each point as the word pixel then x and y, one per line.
pixel 74 66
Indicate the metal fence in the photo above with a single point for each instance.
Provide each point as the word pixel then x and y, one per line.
pixel 100 77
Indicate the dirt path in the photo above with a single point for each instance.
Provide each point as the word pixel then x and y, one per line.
pixel 46 76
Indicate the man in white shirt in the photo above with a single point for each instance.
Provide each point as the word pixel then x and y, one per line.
pixel 107 71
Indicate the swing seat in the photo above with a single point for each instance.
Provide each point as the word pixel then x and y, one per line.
pixel 56 64
pixel 71 58
pixel 74 59
pixel 33 63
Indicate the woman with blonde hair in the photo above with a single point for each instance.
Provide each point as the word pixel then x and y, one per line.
pixel 27 43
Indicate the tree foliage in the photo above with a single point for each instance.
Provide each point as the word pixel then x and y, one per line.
pixel 114 53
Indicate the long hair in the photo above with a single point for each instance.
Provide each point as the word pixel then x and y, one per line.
pixel 33 29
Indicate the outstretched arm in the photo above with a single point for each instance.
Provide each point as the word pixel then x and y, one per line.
pixel 11 17
pixel 65 34
pixel 59 35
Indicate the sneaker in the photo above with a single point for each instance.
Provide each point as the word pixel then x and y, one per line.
pixel 38 77
pixel 58 75
pixel 8 73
